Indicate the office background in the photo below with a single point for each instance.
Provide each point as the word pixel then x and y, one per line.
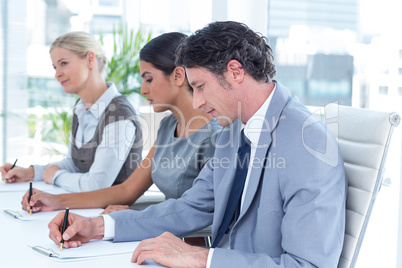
pixel 344 51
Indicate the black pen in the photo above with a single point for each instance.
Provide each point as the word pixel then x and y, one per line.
pixel 30 195
pixel 64 228
pixel 13 166
pixel 15 162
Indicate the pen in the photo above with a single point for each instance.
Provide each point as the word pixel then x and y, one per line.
pixel 30 195
pixel 15 162
pixel 64 228
pixel 13 166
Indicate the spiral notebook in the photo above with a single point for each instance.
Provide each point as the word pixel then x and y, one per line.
pixel 22 215
pixel 92 249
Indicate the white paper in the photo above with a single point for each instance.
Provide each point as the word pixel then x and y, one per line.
pixel 22 215
pixel 90 250
pixel 151 197
pixel 24 187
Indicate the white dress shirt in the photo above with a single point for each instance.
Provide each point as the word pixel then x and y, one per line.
pixel 111 153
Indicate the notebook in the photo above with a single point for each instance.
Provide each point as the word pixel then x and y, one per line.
pixel 92 249
pixel 22 215
pixel 24 186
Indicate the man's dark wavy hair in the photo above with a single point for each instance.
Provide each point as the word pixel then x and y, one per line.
pixel 219 42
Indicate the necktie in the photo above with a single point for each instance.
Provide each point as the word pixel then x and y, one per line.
pixel 237 188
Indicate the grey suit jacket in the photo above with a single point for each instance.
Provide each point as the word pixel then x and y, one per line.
pixel 293 214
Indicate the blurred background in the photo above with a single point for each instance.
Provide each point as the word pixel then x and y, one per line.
pixel 343 51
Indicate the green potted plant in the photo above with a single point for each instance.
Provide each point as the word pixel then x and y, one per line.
pixel 123 68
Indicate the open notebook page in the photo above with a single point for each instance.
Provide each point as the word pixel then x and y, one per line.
pixel 91 250
pixel 24 186
pixel 23 215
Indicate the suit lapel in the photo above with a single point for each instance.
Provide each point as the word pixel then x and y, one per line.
pixel 225 186
pixel 255 174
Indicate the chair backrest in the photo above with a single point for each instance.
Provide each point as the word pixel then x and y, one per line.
pixel 363 136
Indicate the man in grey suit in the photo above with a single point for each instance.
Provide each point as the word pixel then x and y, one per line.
pixel 291 208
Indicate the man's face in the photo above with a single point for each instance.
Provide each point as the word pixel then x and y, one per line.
pixel 210 95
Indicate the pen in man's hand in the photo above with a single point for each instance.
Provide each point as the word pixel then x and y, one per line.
pixel 13 166
pixel 64 228
pixel 30 195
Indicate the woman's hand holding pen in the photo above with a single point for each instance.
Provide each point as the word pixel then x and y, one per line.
pixel 17 174
pixel 80 229
pixel 41 201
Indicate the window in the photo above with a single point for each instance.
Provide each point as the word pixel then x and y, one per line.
pixel 109 3
pixel 383 90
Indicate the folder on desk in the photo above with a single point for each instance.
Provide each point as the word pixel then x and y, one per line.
pixel 90 250
pixel 22 215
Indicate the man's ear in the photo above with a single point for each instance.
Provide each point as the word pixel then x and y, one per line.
pixel 179 76
pixel 235 70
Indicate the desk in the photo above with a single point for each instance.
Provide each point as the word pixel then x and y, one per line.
pixel 16 235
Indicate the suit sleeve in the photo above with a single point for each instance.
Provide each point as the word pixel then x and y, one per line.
pixel 183 216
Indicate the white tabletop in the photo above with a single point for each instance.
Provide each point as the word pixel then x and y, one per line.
pixel 15 236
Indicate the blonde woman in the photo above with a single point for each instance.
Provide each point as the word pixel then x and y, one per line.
pixel 105 140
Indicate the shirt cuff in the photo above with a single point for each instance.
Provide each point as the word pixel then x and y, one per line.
pixel 38 172
pixel 109 227
pixel 210 253
pixel 58 172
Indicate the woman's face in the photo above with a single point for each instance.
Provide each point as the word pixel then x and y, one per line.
pixel 71 70
pixel 159 89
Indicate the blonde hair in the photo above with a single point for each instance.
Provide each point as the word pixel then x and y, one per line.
pixel 80 43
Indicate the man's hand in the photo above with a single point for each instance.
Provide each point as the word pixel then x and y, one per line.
pixel 48 174
pixel 41 201
pixel 17 174
pixel 171 251
pixel 80 229
pixel 113 208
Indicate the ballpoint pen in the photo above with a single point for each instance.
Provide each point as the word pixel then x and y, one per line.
pixel 15 162
pixel 64 228
pixel 13 166
pixel 30 195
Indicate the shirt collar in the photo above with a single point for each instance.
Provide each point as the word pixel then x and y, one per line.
pixel 255 124
pixel 100 105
